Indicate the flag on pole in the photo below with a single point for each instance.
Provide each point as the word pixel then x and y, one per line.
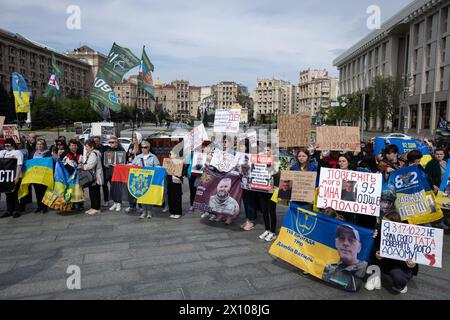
pixel 120 60
pixel 53 83
pixel 145 80
pixel 21 93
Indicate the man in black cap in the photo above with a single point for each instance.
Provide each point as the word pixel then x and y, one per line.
pixel 349 272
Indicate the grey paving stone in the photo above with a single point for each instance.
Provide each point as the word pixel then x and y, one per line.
pixel 157 260
pixel 225 252
pixel 220 290
pixel 166 250
pixel 156 285
pixel 108 256
pixel 277 281
pixel 247 259
pixel 94 248
pixel 176 294
pixel 228 243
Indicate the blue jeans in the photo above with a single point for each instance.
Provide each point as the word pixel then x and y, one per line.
pixel 249 199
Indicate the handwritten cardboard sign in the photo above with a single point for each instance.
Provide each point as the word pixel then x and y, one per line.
pixel 11 131
pixel 338 138
pixel 223 161
pixel 350 191
pixel 174 167
pixel 403 242
pixel 303 185
pixel 294 130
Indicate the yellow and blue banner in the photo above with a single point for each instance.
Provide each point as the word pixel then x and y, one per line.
pixel 329 249
pixel 404 146
pixel 443 196
pixel 39 171
pixel 147 184
pixel 21 93
pixel 415 201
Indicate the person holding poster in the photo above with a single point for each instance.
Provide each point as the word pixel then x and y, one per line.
pixel 116 188
pixel 11 152
pixel 174 193
pixel 400 272
pixel 390 161
pixel 303 161
pixel 39 189
pixel 436 168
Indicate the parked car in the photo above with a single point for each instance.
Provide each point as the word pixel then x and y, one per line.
pixel 125 142
pixel 398 135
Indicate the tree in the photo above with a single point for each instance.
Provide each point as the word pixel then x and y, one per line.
pixel 7 104
pixel 384 98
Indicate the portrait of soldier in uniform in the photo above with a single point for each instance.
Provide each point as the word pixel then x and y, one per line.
pixel 348 272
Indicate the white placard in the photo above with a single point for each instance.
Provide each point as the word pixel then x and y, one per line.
pixel 403 242
pixel 195 138
pixel 224 161
pixel 227 120
pixel 350 191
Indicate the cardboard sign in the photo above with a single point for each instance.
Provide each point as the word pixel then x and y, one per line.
pixel 338 138
pixel 2 121
pixel 294 130
pixel 174 167
pixel 223 161
pixel 350 191
pixel 195 138
pixel 11 131
pixel 403 242
pixel 227 120
pixel 302 184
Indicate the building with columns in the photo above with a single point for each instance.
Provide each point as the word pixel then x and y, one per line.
pixel 130 95
pixel 178 98
pixel 413 46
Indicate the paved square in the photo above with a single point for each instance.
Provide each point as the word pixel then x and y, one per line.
pixel 123 257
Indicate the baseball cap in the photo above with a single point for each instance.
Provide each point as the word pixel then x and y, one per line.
pixel 345 228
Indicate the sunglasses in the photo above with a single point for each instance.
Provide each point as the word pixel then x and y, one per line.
pixel 8 145
pixel 145 147
pixel 112 142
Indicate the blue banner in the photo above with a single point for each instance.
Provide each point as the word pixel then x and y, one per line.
pixel 415 201
pixel 404 146
pixel 332 250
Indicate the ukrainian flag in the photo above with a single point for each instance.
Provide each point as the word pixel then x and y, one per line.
pixel 21 93
pixel 39 171
pixel 74 192
pixel 147 185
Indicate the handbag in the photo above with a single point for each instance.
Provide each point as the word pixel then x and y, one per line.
pixel 87 177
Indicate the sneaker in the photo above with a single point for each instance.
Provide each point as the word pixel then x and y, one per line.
pixel 165 210
pixel 114 206
pixel 93 211
pixel 118 207
pixel 264 235
pixel 130 209
pixel 404 290
pixel 212 218
pixel 143 215
pixel 204 215
pixel 88 211
pixel 149 215
pixel 305 273
pixel 270 237
pixel 373 282
pixel 171 216
pixel 176 216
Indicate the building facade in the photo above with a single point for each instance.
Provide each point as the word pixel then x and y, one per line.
pixel 178 98
pixel 413 47
pixel 130 95
pixel 227 93
pixel 272 97
pixel 316 89
pixel 33 61
pixel 93 58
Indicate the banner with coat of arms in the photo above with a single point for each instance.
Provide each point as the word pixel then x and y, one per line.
pixel 147 184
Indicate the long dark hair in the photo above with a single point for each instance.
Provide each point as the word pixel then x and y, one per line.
pixel 305 151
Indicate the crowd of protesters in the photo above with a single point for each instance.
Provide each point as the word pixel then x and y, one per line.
pixel 89 157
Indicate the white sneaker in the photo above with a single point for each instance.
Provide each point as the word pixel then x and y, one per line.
pixel 404 290
pixel 165 210
pixel 114 206
pixel 204 215
pixel 149 215
pixel 270 237
pixel 130 209
pixel 118 207
pixel 373 282
pixel 143 215
pixel 264 234
pixel 93 211
pixel 176 216
pixel 88 211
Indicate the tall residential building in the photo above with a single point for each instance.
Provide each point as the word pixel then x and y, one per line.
pixel 178 98
pixel 227 93
pixel 414 47
pixel 130 95
pixel 33 61
pixel 93 58
pixel 273 96
pixel 316 89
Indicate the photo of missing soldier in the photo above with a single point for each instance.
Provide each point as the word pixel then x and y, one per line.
pixel 109 158
pixel 349 271
pixel 285 190
pixel 120 157
pixel 349 191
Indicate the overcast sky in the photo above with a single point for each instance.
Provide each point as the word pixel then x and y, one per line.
pixel 206 41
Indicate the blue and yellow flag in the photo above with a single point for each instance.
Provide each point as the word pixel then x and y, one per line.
pixel 74 192
pixel 147 185
pixel 329 249
pixel 21 93
pixel 404 146
pixel 145 80
pixel 61 178
pixel 39 171
pixel 415 201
